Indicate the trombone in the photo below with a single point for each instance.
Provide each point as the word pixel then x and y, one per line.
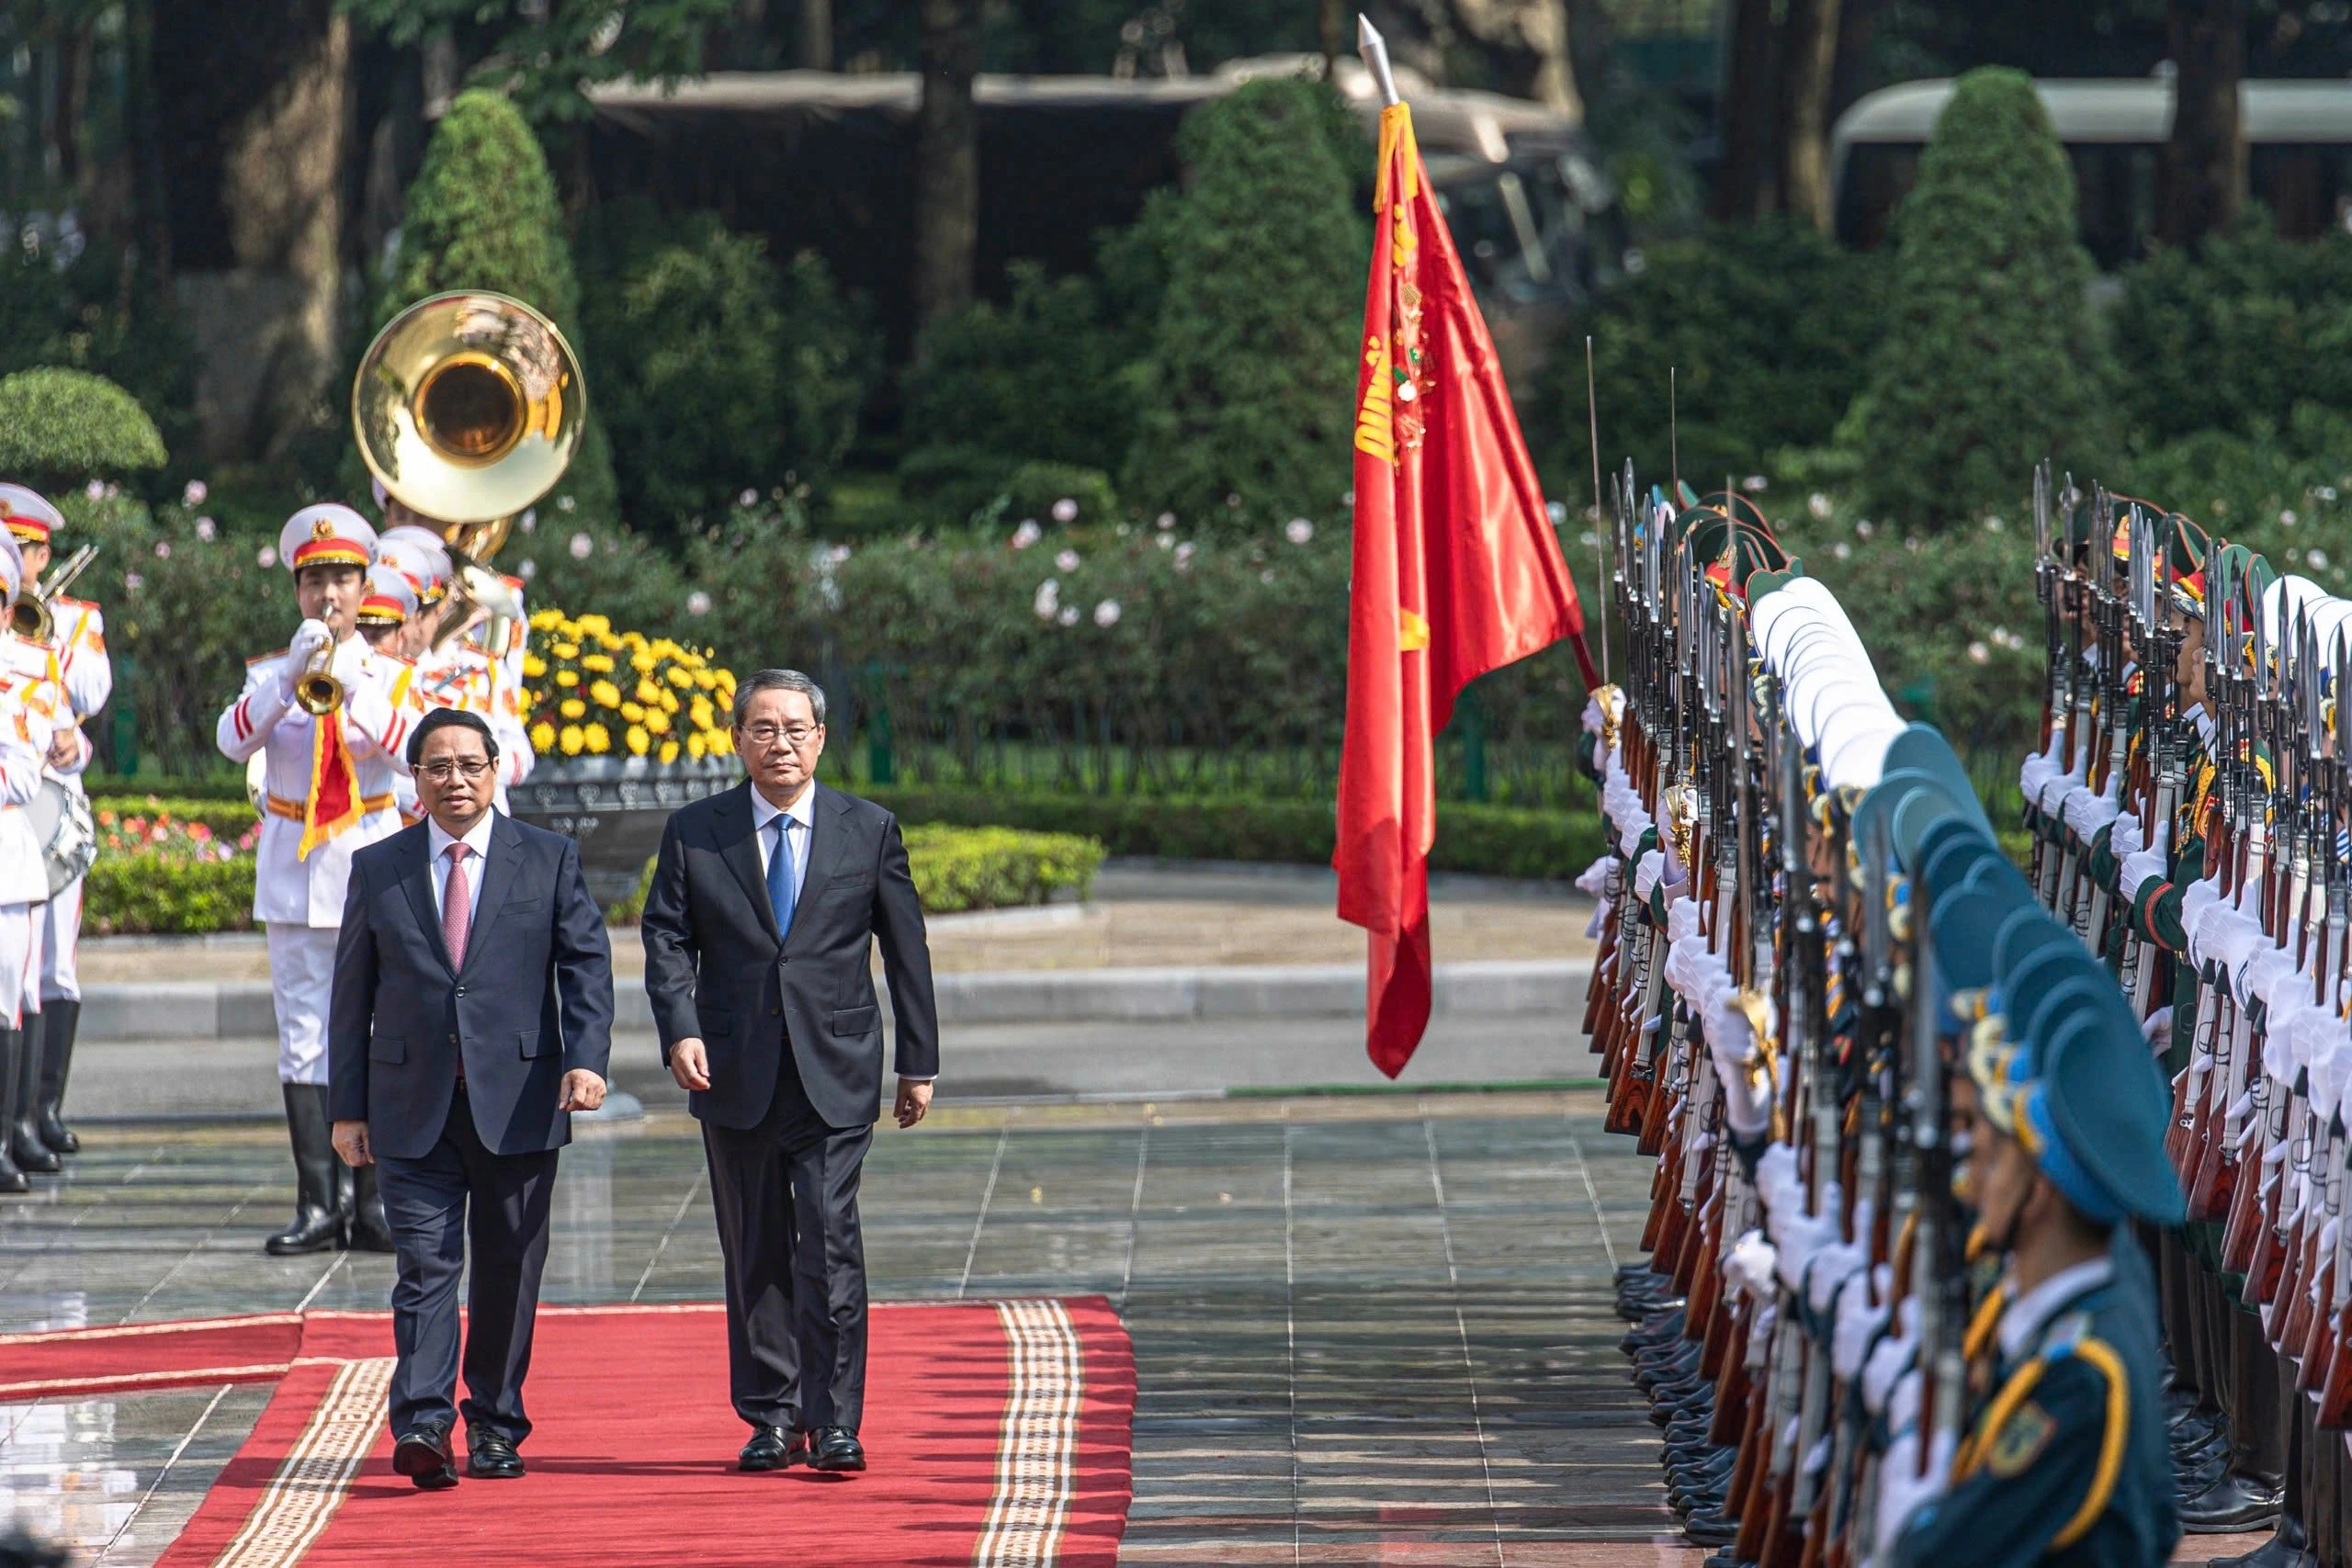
pixel 468 407
pixel 30 615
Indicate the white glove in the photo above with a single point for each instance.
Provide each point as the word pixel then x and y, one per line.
pixel 1902 1491
pixel 1858 1321
pixel 310 638
pixel 1750 1266
pixel 2087 813
pixel 1776 1178
pixel 2158 1029
pixel 2127 840
pixel 1806 1237
pixel 1891 1358
pixel 2141 865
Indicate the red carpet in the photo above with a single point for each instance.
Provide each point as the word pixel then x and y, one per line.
pixel 998 1433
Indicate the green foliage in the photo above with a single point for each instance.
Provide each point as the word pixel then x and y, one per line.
pixel 1760 364
pixel 2231 336
pixel 482 213
pixel 630 911
pixel 1246 400
pixel 1990 360
pixel 143 895
pixel 717 370
pixel 549 53
pixel 995 868
pixel 580 563
pixel 1039 378
pixel 226 819
pixel 1485 839
pixel 59 424
pixel 102 314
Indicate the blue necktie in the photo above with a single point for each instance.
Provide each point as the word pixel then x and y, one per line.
pixel 780 895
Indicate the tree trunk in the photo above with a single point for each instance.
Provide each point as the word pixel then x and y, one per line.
pixel 1331 31
pixel 1527 41
pixel 816 35
pixel 151 200
pixel 947 160
pixel 1750 112
pixel 2203 165
pixel 1809 57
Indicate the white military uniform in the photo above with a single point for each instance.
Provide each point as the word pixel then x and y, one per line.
pixel 80 642
pixel 30 699
pixel 298 885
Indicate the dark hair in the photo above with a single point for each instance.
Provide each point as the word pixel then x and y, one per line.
pixel 442 718
pixel 778 681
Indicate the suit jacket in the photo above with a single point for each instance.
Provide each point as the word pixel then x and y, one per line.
pixel 715 968
pixel 533 1002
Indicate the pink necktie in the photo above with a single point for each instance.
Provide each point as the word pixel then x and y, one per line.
pixel 457 908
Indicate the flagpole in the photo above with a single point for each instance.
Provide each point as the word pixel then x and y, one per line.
pixel 1375 50
pixel 1601 548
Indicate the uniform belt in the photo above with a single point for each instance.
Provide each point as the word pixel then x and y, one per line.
pixel 292 810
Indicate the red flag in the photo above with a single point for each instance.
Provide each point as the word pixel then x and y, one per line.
pixel 1457 573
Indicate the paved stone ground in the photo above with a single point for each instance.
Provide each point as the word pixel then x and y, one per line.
pixel 1368 1329
pixel 1143 915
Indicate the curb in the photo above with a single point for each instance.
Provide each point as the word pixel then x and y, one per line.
pixel 242 1010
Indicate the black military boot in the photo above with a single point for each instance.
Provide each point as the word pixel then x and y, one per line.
pixel 26 1145
pixel 12 1045
pixel 316 1225
pixel 62 1018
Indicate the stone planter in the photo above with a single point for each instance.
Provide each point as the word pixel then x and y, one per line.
pixel 615 807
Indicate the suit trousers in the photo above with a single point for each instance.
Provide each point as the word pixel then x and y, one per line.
pixel 785 1193
pixel 460 1192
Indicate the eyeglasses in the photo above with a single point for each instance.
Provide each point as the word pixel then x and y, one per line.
pixel 469 769
pixel 792 735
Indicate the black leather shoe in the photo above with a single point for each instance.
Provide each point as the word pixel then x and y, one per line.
pixel 424 1458
pixel 1710 1528
pixel 835 1450
pixel 2234 1503
pixel 2288 1548
pixel 489 1456
pixel 770 1449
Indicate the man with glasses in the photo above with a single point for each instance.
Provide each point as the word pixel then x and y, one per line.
pixel 473 1014
pixel 766 901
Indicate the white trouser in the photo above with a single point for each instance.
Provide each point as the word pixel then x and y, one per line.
pixel 19 960
pixel 302 979
pixel 61 944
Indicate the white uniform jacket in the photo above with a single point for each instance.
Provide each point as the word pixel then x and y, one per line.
pixel 29 700
pixel 307 891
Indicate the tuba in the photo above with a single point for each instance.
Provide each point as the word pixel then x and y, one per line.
pixel 467 407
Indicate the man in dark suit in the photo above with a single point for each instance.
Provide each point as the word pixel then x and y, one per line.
pixel 765 903
pixel 473 1014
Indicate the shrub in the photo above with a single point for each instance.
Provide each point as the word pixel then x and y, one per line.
pixel 1990 360
pixel 1488 839
pixel 1760 364
pixel 95 308
pixel 1037 379
pixel 125 816
pixel 717 370
pixel 61 424
pixel 994 868
pixel 1246 397
pixel 482 213
pixel 161 894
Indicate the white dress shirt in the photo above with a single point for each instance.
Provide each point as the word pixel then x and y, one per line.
pixel 477 840
pixel 800 821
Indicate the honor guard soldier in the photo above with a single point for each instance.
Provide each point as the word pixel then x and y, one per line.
pixel 454 668
pixel 2065 1459
pixel 77 638
pixel 321 715
pixel 29 715
pixel 389 620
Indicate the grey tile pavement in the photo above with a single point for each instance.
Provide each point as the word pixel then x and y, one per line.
pixel 1370 1329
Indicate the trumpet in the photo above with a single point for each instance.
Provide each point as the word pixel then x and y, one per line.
pixel 468 407
pixel 28 614
pixel 318 692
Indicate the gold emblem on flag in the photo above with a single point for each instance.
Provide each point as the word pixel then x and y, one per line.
pixel 1412 630
pixel 1375 417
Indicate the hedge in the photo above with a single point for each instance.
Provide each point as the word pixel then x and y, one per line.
pixel 1492 840
pixel 226 817
pixel 146 895
pixel 994 868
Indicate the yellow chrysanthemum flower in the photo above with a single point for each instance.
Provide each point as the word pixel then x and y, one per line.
pixel 595 626
pixel 642 662
pixel 681 676
pixel 600 662
pixel 699 711
pixel 567 650
pixel 606 693
pixel 722 742
pixel 669 702
pixel 695 747
pixel 573 707
pixel 567 677
pixel 657 721
pixel 542 736
pixel 571 741
pixel 669 751
pixel 637 741
pixel 647 692
pixel 533 665
pixel 599 739
pixel 633 712
pixel 545 620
